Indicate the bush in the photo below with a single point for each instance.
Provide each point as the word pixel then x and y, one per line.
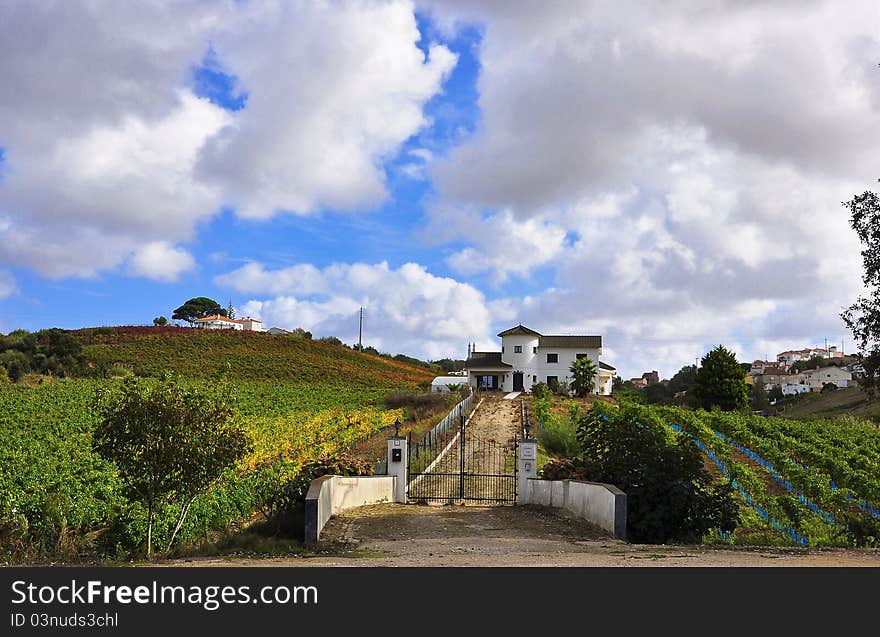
pixel 558 437
pixel 670 496
pixel 541 391
pixel 282 488
pixel 564 469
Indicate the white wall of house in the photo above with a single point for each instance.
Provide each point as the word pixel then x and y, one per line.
pixel 253 325
pixel 831 374
pixel 219 325
pixel 604 382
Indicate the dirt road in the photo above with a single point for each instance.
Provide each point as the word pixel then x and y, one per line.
pixel 411 535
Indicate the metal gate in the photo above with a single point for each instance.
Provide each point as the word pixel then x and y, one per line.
pixel 456 465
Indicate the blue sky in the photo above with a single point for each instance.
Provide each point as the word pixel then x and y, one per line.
pixel 654 175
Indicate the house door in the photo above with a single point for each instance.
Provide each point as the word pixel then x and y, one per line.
pixel 517 381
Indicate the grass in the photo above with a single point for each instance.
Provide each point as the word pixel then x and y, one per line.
pixel 851 401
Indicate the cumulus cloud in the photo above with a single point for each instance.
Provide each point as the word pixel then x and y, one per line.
pixel 697 153
pixel 504 246
pixel 107 151
pixel 407 309
pixel 161 261
pixel 333 91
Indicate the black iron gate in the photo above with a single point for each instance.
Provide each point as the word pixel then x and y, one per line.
pixel 458 466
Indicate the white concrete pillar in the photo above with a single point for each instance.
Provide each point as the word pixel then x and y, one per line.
pixel 527 467
pixel 398 457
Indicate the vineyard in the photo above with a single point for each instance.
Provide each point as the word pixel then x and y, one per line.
pixel 807 483
pixel 297 400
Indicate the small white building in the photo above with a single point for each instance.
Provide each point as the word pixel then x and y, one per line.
pixel 442 383
pixel 250 324
pixel 528 357
pixel 218 322
pixel 791 389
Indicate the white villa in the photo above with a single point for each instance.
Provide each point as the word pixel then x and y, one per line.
pixel 218 322
pixel 527 357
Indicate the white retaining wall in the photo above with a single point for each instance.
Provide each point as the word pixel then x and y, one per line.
pixel 330 495
pixel 602 504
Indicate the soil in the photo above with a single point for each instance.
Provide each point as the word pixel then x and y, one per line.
pixel 456 535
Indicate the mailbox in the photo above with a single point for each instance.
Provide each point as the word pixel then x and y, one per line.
pixel 396 455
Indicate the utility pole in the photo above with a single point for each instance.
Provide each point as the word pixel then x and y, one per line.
pixel 361 332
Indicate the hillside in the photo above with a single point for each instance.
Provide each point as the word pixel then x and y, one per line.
pixel 251 356
pixel 297 400
pixel 850 401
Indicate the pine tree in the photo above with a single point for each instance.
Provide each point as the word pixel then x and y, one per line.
pixel 720 382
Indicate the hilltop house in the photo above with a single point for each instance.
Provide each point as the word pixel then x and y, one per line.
pixel 792 356
pixel 218 322
pixel 528 357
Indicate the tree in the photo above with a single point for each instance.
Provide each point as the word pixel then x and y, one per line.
pixel 301 333
pixel 230 310
pixel 720 381
pixel 814 362
pixel 196 308
pixel 683 379
pixel 160 321
pixel 658 393
pixel 169 442
pixel 758 399
pixel 775 394
pixel 863 316
pixel 583 373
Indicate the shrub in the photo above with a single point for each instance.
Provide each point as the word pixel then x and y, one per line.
pixel 564 469
pixel 558 437
pixel 540 391
pixel 283 487
pixel 670 496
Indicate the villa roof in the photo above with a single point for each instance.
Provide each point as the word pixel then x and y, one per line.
pixel 479 360
pixel 587 342
pixel 519 329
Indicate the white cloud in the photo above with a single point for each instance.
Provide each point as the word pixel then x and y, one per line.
pixel 407 309
pixel 697 153
pixel 106 150
pixel 505 245
pixel 161 261
pixel 334 89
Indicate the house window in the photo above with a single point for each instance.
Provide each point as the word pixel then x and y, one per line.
pixel 517 349
pixel 553 382
pixel 534 379
pixel 580 356
pixel 534 350
pixel 502 349
pixel 552 358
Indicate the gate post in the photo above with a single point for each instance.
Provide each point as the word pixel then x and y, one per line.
pixel 527 465
pixel 398 459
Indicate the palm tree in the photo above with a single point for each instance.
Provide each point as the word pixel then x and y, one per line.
pixel 583 372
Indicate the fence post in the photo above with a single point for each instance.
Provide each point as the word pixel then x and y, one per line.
pixel 527 465
pixel 397 461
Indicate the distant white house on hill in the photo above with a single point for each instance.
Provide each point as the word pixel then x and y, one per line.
pixel 218 322
pixel 528 357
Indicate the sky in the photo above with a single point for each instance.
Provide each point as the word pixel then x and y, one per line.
pixel 667 175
